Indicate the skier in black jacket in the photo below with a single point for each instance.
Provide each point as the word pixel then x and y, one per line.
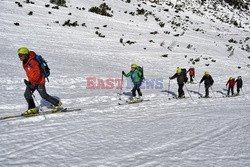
pixel 239 84
pixel 181 79
pixel 208 81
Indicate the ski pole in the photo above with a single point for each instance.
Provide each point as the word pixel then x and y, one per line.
pixel 242 91
pixel 213 91
pixel 121 89
pixel 121 86
pixel 40 108
pixel 168 87
pixel 199 89
pixel 195 79
pixel 189 92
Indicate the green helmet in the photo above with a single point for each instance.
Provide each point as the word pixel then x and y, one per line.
pixel 23 51
pixel 178 71
pixel 133 66
pixel 206 73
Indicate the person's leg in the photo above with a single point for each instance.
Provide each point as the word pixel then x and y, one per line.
pixel 133 92
pixel 138 84
pixel 139 92
pixel 228 90
pixel 238 90
pixel 28 96
pixel 180 90
pixel 207 91
pixel 191 78
pixel 42 91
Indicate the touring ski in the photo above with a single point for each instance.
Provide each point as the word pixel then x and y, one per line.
pixel 61 110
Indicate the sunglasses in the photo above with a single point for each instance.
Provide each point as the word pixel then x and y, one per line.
pixel 21 56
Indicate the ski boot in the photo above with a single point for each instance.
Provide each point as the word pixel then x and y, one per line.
pixel 56 108
pixel 140 98
pixel 181 97
pixel 30 112
pixel 132 100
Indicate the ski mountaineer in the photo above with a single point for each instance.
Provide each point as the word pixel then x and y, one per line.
pixel 136 77
pixel 208 81
pixel 231 82
pixel 191 72
pixel 35 81
pixel 239 84
pixel 180 81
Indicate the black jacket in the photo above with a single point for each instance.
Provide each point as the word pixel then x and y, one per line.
pixel 208 80
pixel 180 78
pixel 239 83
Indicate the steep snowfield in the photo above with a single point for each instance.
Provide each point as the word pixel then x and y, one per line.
pixel 159 132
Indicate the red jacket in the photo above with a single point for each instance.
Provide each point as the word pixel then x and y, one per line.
pixel 191 72
pixel 32 70
pixel 231 82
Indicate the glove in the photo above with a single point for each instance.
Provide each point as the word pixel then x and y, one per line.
pixel 27 83
pixel 123 73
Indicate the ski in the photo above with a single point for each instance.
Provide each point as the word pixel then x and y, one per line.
pixel 177 98
pixel 135 102
pixel 225 96
pixel 62 110
pixel 205 97
pixel 191 82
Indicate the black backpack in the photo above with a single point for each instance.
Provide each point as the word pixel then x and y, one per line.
pixel 141 70
pixel 184 74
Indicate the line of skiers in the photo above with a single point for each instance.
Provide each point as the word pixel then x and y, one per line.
pixel 36 81
pixel 207 79
pixel 181 74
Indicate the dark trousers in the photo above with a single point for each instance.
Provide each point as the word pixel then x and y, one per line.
pixel 180 90
pixel 207 90
pixel 136 88
pixel 42 91
pixel 232 90
pixel 191 78
pixel 238 89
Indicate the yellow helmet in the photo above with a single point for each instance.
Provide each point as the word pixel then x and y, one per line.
pixel 230 78
pixel 23 51
pixel 178 71
pixel 133 66
pixel 206 73
pixel 239 77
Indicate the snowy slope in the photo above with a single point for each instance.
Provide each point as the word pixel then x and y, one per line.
pixel 159 132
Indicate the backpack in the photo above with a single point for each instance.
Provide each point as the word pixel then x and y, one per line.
pixel 191 72
pixel 141 70
pixel 184 74
pixel 44 68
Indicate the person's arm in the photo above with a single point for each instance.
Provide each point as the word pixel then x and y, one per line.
pixel 174 76
pixel 202 79
pixel 128 74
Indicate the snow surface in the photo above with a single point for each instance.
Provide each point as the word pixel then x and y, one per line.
pixel 160 132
